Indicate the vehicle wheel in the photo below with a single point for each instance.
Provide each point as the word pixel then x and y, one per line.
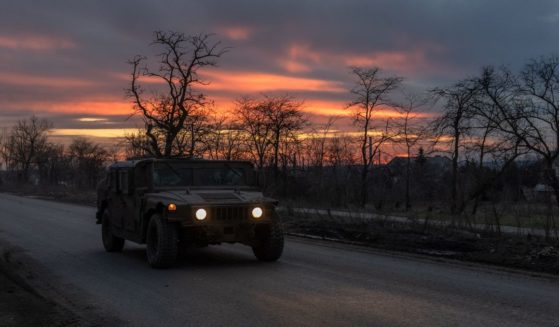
pixel 269 245
pixel 110 242
pixel 162 243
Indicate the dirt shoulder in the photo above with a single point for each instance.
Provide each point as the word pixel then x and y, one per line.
pixel 31 296
pixel 20 306
pixel 526 252
pixel 56 193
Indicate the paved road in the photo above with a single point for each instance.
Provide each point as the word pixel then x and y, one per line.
pixel 312 285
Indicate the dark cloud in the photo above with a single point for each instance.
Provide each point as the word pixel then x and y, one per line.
pixel 430 42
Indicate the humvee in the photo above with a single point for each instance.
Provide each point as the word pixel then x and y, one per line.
pixel 172 204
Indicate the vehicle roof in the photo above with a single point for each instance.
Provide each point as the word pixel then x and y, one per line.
pixel 130 163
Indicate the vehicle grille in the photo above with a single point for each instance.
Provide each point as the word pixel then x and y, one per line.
pixel 229 213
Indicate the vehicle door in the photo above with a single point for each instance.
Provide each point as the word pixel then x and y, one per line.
pixel 125 197
pixel 114 200
pixel 133 199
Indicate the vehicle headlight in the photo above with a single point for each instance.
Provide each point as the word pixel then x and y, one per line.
pixel 257 212
pixel 171 207
pixel 201 214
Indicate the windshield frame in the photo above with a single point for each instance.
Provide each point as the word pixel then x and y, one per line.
pixel 247 169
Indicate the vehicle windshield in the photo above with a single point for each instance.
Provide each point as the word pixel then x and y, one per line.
pixel 170 174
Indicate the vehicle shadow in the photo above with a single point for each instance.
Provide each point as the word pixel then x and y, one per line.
pixel 209 257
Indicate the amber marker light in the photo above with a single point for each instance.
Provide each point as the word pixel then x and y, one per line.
pixel 171 207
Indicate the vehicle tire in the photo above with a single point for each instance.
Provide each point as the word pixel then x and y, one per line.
pixel 162 243
pixel 110 242
pixel 269 245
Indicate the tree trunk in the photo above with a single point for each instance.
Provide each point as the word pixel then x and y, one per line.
pixel 364 186
pixel 454 181
pixel 364 173
pixel 408 164
pixel 553 179
pixel 276 156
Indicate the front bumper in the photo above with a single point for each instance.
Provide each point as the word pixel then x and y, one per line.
pixel 223 223
pixel 221 215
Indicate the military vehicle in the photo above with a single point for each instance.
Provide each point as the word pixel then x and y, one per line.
pixel 172 204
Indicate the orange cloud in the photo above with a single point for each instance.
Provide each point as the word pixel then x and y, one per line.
pixel 301 57
pixel 44 81
pixel 34 42
pixel 293 66
pixel 143 79
pixel 321 107
pixel 237 33
pixel 253 82
pixel 92 107
pixel 339 108
pixel 401 61
pixel 303 51
pixel 93 132
pixel 327 108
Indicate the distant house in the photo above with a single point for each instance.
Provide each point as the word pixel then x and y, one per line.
pixel 540 192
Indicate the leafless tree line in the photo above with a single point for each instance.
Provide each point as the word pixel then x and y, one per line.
pixel 28 156
pixel 501 116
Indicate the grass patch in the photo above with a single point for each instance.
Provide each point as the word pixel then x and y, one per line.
pixel 529 252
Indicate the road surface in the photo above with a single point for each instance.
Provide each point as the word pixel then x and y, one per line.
pixel 313 284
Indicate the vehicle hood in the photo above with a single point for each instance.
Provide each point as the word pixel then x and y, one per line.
pixel 209 196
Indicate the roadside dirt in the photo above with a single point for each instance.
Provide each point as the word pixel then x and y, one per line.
pixel 532 253
pixel 55 193
pixel 28 297
pixel 21 305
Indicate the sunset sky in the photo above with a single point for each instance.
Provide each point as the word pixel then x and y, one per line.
pixel 66 60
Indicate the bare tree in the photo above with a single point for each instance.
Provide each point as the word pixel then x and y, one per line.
pixel 316 145
pixel 136 144
pixel 4 154
pixel 527 108
pixel 285 118
pixel 87 160
pixel 114 152
pixel 191 140
pixel 410 133
pixel 269 122
pixel 488 144
pixel 52 164
pixel 27 140
pixel 454 124
pixel 166 111
pixel 340 156
pixel 233 143
pixel 371 93
pixel 254 121
pixel 225 139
